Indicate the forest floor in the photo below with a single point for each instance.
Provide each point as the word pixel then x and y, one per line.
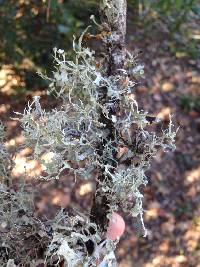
pixel 172 196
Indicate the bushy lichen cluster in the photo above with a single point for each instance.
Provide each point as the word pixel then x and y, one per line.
pixel 17 223
pixel 78 139
pixel 74 133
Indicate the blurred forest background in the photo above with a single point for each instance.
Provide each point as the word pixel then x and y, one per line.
pixel 168 33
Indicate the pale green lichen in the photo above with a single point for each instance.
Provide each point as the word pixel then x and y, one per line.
pixel 73 134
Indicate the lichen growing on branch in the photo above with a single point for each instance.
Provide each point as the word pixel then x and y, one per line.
pixel 99 133
pixel 74 133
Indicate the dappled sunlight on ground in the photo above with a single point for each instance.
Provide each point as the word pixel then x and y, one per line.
pixel 4 108
pixel 164 113
pixel 15 141
pixel 24 166
pixel 193 176
pixel 9 79
pixel 86 189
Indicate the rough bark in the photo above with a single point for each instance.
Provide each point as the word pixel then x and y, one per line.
pixel 113 16
pixel 113 21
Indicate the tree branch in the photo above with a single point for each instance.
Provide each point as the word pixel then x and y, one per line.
pixel 113 21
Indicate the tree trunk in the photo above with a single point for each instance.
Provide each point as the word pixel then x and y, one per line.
pixel 113 21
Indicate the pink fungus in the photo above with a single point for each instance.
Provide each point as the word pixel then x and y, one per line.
pixel 116 227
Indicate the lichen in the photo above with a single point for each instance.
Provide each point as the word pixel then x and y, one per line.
pixel 74 134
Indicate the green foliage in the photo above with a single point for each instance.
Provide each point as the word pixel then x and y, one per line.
pixel 189 102
pixel 183 210
pixel 175 11
pixel 26 32
pixel 29 33
pixel 172 12
pixel 176 20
